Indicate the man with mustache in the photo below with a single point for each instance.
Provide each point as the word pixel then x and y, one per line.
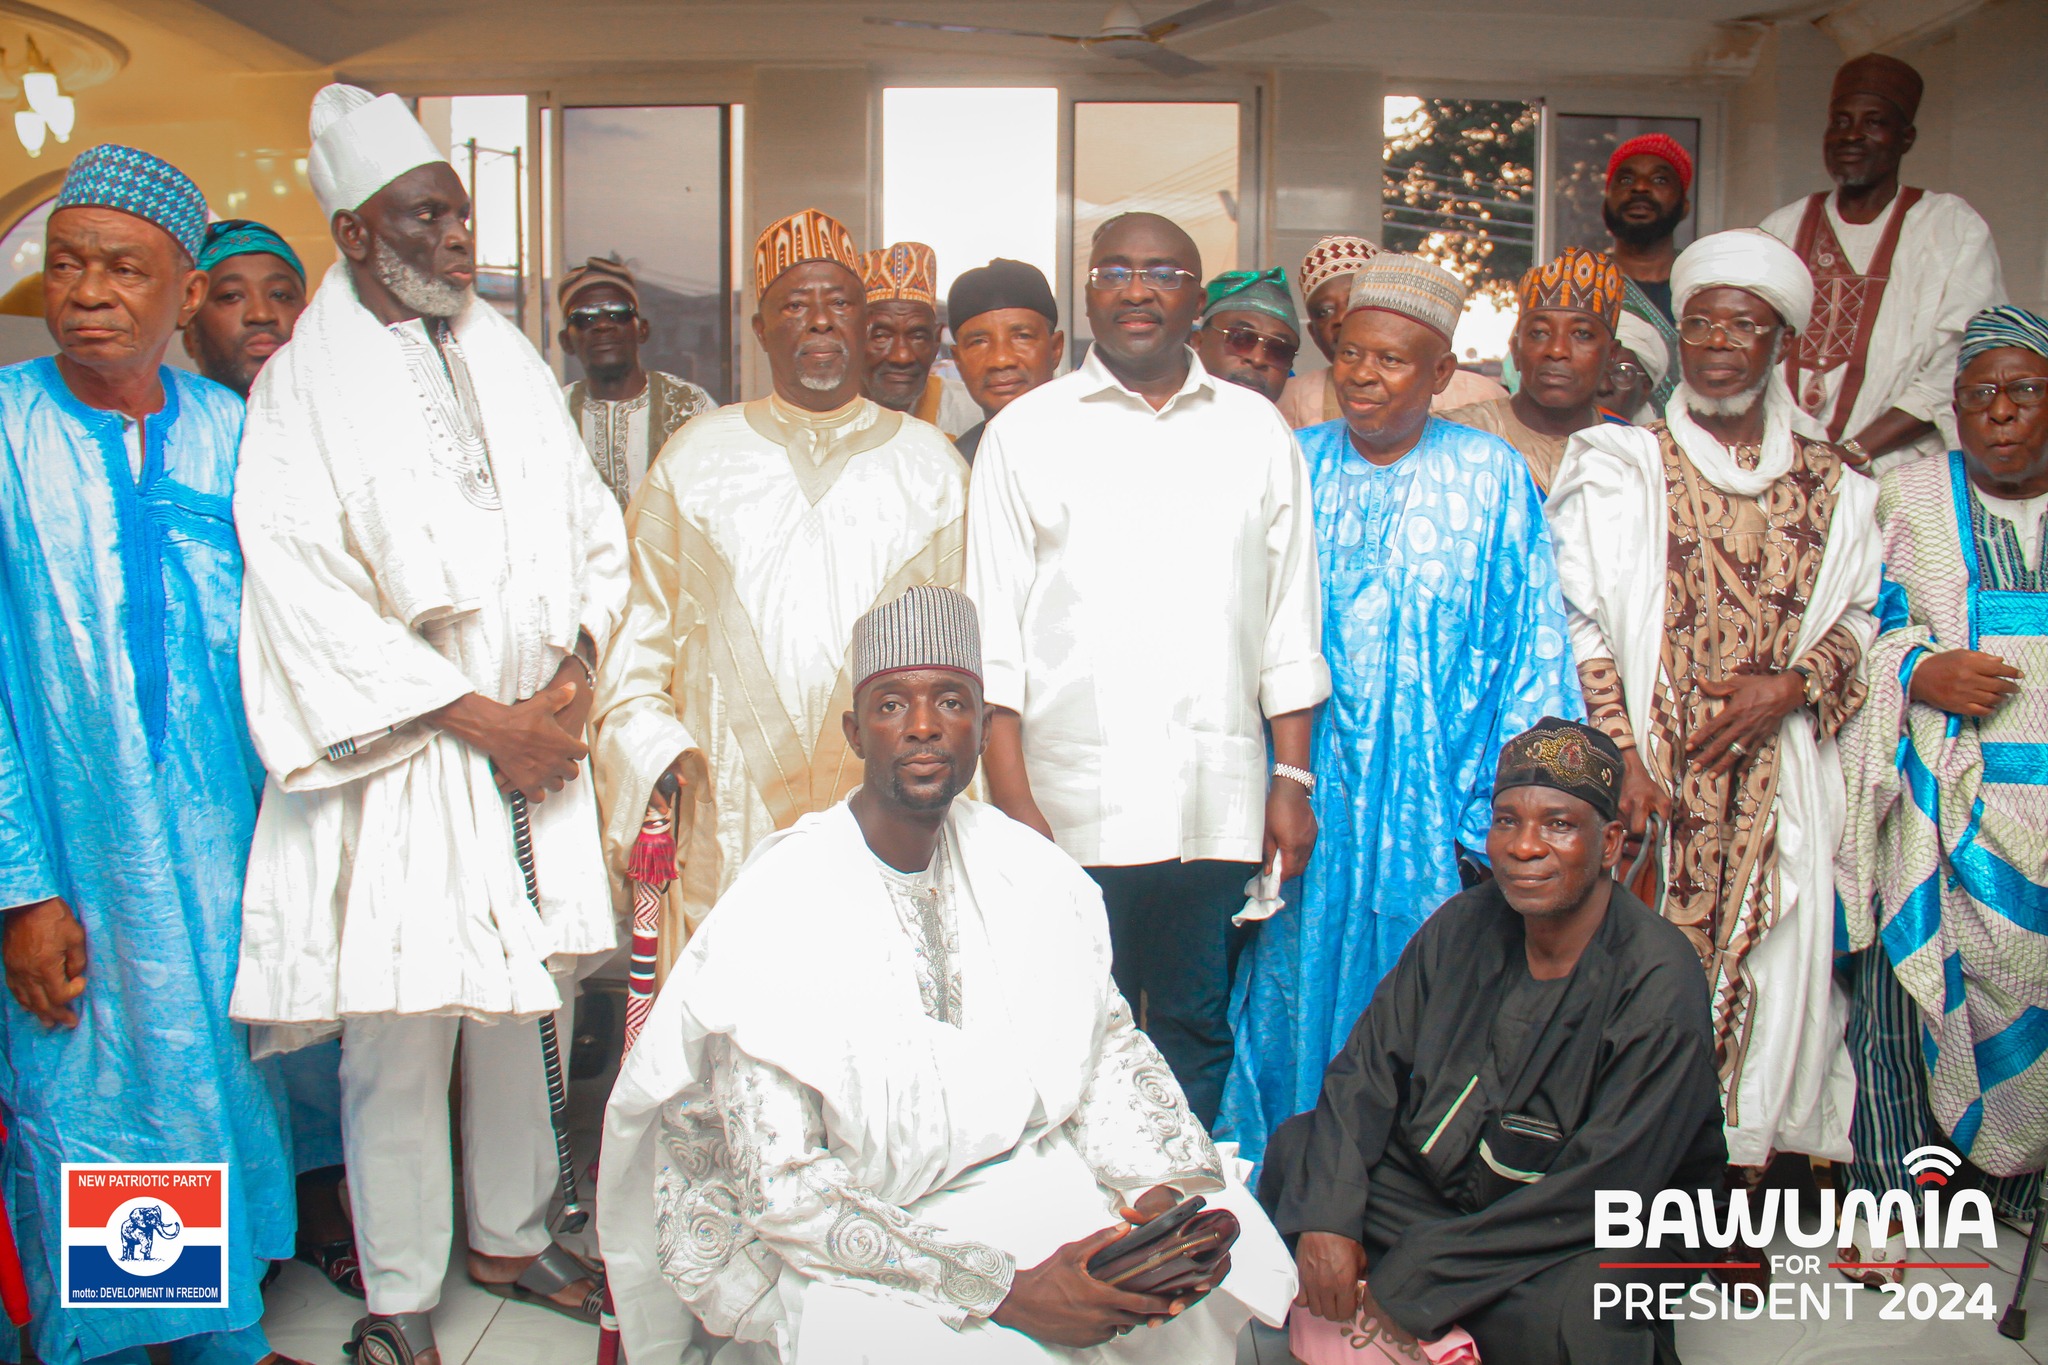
pixel 903 330
pixel 1140 549
pixel 1649 180
pixel 1444 633
pixel 1006 338
pixel 433 566
pixel 1721 569
pixel 1563 348
pixel 1898 273
pixel 1247 332
pixel 763 532
pixel 895 1094
pixel 1957 678
pixel 127 788
pixel 255 291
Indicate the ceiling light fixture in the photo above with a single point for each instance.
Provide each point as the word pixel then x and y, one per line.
pixel 50 112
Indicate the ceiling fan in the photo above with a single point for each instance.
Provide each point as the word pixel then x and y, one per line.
pixel 1122 35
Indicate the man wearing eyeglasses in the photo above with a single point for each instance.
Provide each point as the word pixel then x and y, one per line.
pixel 1957 680
pixel 1141 548
pixel 1898 273
pixel 1564 349
pixel 1248 333
pixel 625 411
pixel 1722 569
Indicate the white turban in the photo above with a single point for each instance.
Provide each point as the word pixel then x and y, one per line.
pixel 1746 258
pixel 1646 343
pixel 361 143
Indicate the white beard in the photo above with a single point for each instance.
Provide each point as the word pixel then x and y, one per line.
pixel 423 293
pixel 1734 405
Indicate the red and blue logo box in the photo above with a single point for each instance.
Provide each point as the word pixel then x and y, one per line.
pixel 145 1236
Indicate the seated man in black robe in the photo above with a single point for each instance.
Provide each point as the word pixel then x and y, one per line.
pixel 1543 1037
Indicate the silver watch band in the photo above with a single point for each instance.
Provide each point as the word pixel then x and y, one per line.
pixel 1301 775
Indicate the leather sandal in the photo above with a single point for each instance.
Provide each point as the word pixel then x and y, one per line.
pixel 554 1270
pixel 390 1339
pixel 337 1261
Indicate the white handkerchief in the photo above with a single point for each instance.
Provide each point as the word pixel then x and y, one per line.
pixel 1262 896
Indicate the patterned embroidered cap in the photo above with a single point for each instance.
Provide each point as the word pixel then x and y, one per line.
pixel 1251 291
pixel 1418 290
pixel 1572 757
pixel 246 237
pixel 597 270
pixel 927 627
pixel 111 176
pixel 1330 258
pixel 907 272
pixel 1581 280
pixel 1665 149
pixel 1888 78
pixel 1994 329
pixel 806 235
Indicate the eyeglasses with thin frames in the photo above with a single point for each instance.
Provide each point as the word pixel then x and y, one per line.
pixel 1742 333
pixel 2025 393
pixel 1246 344
pixel 1163 277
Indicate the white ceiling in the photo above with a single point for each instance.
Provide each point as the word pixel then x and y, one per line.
pixel 1629 41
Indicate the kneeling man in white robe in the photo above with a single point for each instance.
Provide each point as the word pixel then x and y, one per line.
pixel 890 1101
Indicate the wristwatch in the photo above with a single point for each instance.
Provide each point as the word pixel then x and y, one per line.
pixel 1853 448
pixel 1301 775
pixel 1812 679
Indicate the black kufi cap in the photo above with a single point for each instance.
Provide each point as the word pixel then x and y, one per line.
pixel 1000 284
pixel 1572 757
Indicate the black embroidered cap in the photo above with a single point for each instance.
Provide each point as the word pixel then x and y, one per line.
pixel 1565 754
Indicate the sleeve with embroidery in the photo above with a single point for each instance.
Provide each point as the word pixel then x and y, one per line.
pixel 1133 1126
pixel 1600 680
pixel 1834 663
pixel 802 1201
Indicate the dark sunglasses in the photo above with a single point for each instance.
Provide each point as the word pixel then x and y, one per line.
pixel 1245 344
pixel 590 317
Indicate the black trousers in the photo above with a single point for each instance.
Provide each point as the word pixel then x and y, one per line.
pixel 1175 949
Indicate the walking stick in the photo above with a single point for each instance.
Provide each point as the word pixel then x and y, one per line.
pixel 574 1216
pixel 650 867
pixel 2014 1323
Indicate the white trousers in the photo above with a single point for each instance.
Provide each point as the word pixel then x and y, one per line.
pixel 394 1128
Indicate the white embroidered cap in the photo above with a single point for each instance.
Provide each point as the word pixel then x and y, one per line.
pixel 361 143
pixel 927 627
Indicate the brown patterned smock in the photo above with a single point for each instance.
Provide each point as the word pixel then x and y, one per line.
pixel 1761 556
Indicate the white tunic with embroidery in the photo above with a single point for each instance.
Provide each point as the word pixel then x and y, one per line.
pixel 829 1166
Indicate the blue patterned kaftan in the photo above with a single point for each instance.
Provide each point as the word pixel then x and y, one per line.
pixel 1445 634
pixel 128 787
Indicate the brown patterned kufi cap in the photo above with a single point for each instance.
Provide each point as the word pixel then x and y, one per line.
pixel 1581 280
pixel 806 235
pixel 1330 258
pixel 927 627
pixel 1888 78
pixel 595 271
pixel 1572 757
pixel 907 272
pixel 1418 290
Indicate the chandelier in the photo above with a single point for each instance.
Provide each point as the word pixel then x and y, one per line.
pixel 50 111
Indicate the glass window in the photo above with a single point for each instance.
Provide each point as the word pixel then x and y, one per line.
pixel 21 250
pixel 1579 185
pixel 647 184
pixel 973 174
pixel 486 140
pixel 1180 160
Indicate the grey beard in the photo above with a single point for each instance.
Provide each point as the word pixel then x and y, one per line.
pixel 1734 405
pixel 423 293
pixel 819 383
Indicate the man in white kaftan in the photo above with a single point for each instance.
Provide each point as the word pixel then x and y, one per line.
pixel 762 532
pixel 1720 569
pixel 431 564
pixel 1898 273
pixel 882 1158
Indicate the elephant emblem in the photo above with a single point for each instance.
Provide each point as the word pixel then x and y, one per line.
pixel 141 1229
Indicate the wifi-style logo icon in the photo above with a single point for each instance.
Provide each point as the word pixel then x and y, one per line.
pixel 1932 1165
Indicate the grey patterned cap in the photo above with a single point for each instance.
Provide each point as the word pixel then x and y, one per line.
pixel 927 627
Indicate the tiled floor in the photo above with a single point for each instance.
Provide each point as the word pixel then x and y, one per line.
pixel 309 1320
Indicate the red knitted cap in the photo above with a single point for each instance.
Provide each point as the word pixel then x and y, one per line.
pixel 1659 146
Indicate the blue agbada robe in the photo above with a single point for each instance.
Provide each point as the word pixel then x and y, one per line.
pixel 1445 633
pixel 128 786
